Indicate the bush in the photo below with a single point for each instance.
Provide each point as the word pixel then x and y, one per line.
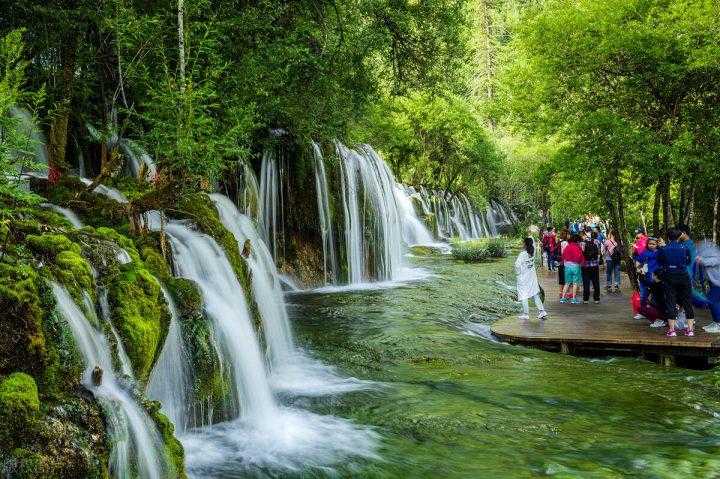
pixel 479 250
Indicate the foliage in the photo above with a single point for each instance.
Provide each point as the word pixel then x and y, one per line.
pixel 629 89
pixel 476 251
pixel 19 405
pixel 18 145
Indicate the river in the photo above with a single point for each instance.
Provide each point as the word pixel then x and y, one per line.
pixel 446 401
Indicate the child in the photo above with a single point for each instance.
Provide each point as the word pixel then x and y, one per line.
pixel 573 260
pixel 527 282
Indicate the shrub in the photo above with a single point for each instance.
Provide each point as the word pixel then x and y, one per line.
pixel 479 250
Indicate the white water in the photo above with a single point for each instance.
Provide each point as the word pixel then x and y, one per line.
pixel 266 287
pixel 367 179
pixel 134 436
pixel 249 196
pixel 36 148
pixel 199 258
pixel 171 378
pixel 108 191
pixel 330 264
pixel 125 364
pixel 66 213
pixel 414 231
pixel 271 200
pixel 136 157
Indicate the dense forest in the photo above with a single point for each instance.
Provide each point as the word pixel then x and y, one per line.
pixel 133 134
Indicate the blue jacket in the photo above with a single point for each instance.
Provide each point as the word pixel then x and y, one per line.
pixel 690 245
pixel 649 258
pixel 673 258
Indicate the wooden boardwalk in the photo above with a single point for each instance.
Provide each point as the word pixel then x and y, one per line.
pixel 606 329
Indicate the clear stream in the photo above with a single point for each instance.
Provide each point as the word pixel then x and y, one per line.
pixel 446 401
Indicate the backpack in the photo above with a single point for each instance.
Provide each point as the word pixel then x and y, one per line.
pixel 618 253
pixel 591 252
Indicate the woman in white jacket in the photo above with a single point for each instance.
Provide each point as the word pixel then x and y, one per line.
pixel 527 282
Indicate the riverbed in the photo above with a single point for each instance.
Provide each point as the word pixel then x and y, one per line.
pixel 445 400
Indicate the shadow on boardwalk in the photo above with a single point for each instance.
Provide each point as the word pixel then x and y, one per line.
pixel 607 329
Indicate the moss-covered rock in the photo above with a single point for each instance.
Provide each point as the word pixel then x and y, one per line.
pixel 140 315
pixel 22 342
pixel 174 451
pixel 423 250
pixel 19 405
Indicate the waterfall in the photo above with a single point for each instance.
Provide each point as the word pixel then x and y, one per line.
pixel 414 231
pixel 366 177
pixel 171 380
pixel 249 197
pixel 135 440
pixel 266 286
pixel 125 364
pixel 68 214
pixel 108 191
pixel 27 126
pixel 198 257
pixel 136 156
pixel 330 265
pixel 271 200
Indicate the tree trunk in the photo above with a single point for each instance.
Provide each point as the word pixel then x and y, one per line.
pixel 666 204
pixel 57 140
pixel 656 212
pixel 615 203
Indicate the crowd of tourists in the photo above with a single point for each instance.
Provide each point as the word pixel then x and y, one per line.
pixel 674 275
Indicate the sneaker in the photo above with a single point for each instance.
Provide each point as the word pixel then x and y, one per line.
pixel 543 315
pixel 639 316
pixel 597 302
pixel 563 300
pixel 671 333
pixel 659 323
pixel 712 328
pixel 585 302
pixel 575 301
pixel 689 332
pixel 523 316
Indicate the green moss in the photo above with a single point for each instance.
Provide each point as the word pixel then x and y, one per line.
pixel 51 244
pixel 72 268
pixel 19 406
pixel 140 316
pixel 209 384
pixel 422 250
pixel 173 449
pixel 22 342
pixel 155 263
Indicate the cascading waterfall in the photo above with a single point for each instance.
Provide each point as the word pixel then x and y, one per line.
pixel 125 364
pixel 266 287
pixel 171 378
pixel 271 200
pixel 248 196
pixel 136 443
pixel 414 231
pixel 110 192
pixel 330 264
pixel 136 157
pixel 198 257
pixel 366 178
pixel 66 213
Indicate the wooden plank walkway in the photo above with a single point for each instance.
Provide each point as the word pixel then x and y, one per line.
pixel 606 329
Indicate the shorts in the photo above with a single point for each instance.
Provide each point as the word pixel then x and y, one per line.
pixel 573 274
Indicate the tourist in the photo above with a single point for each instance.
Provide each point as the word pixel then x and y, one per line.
pixel 573 259
pixel 527 281
pixel 689 244
pixel 591 268
pixel 710 260
pixel 600 235
pixel 648 281
pixel 549 242
pixel 673 261
pixel 640 242
pixel 559 248
pixel 611 252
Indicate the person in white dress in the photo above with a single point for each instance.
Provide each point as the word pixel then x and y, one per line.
pixel 527 281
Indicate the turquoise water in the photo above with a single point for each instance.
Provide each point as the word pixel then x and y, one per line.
pixel 446 402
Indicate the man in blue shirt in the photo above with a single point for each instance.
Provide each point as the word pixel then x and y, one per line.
pixel 673 261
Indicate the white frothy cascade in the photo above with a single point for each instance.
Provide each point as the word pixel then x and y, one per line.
pixel 330 264
pixel 199 258
pixel 135 440
pixel 271 200
pixel 370 205
pixel 171 378
pixel 266 286
pixel 66 213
